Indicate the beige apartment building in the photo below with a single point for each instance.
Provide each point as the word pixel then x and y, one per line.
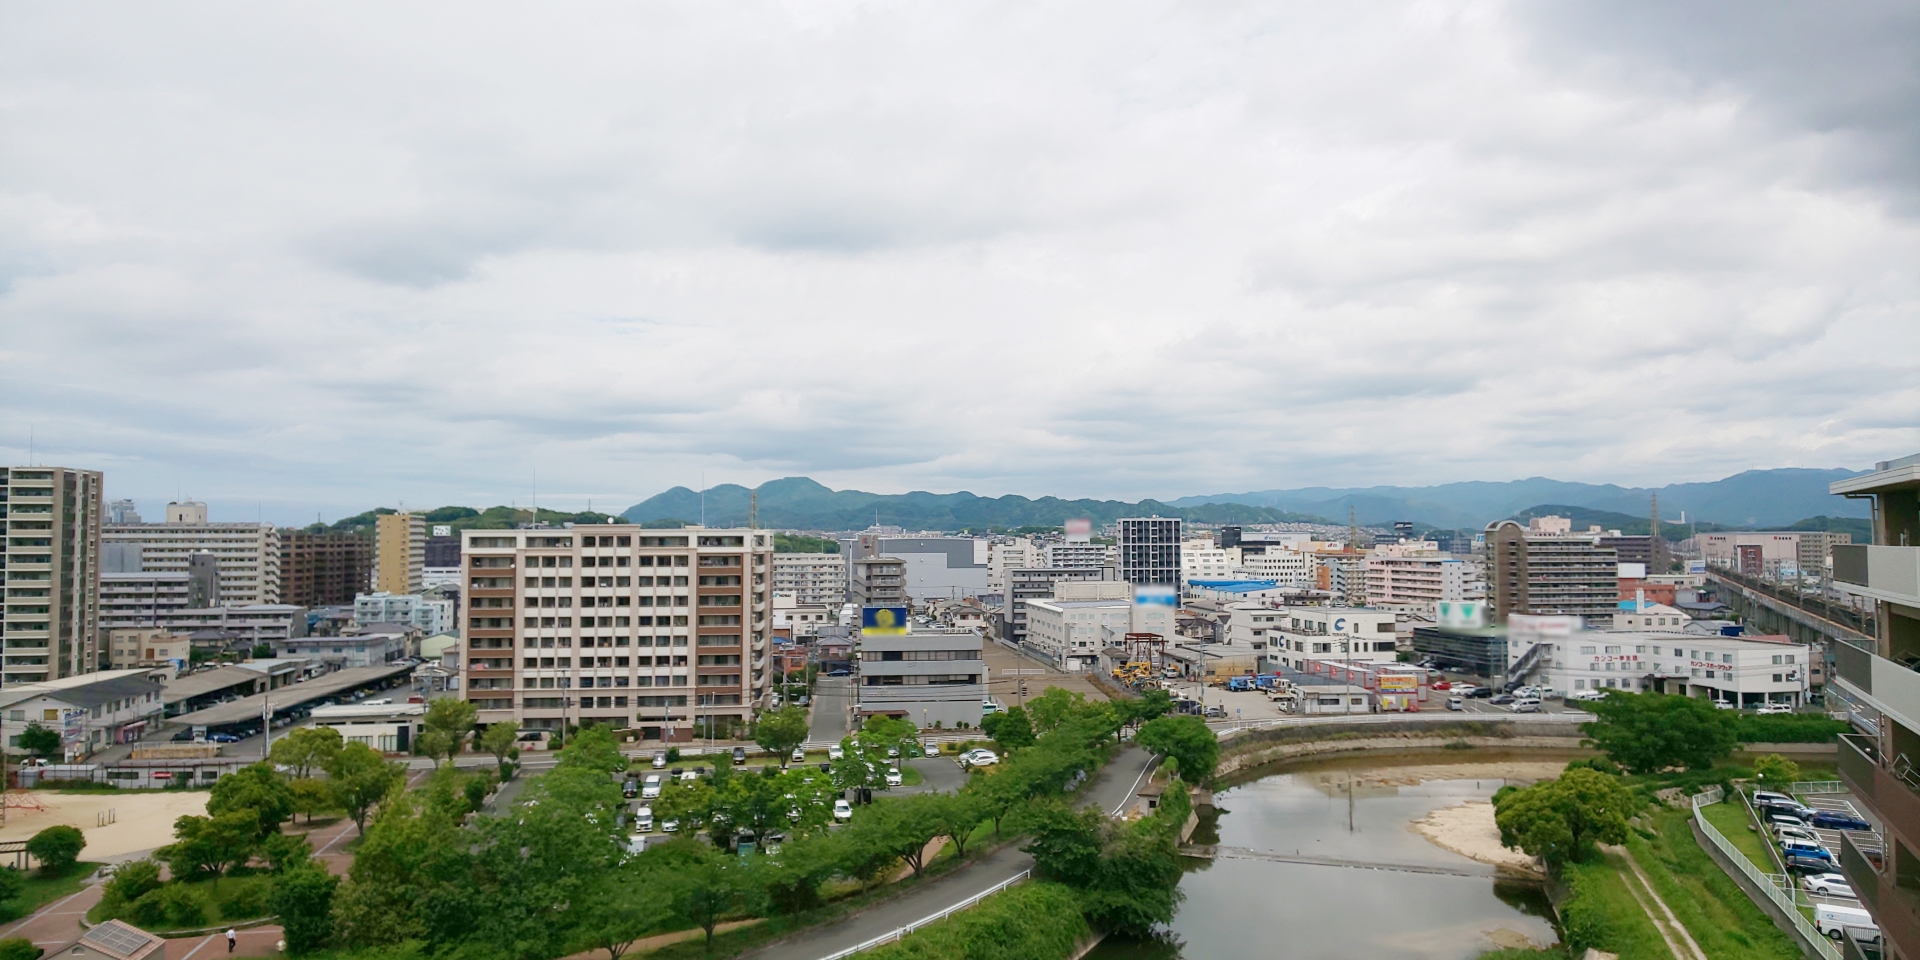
pixel 247 554
pixel 666 631
pixel 399 553
pixel 812 578
pixel 51 560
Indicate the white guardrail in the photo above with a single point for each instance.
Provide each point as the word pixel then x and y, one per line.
pixel 1768 885
pixel 935 918
pixel 1806 787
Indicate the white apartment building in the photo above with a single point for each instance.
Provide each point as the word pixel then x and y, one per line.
pixel 431 616
pixel 1288 568
pixel 1075 554
pixel 252 623
pixel 1073 632
pixel 248 554
pixel 1739 671
pixel 1201 560
pixel 1418 580
pixel 668 629
pixel 812 578
pixel 1650 618
pixel 1324 633
pixel 1003 556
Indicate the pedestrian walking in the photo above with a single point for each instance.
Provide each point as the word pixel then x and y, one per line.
pixel 233 938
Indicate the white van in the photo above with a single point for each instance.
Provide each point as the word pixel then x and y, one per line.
pixel 643 819
pixel 1526 705
pixel 1832 921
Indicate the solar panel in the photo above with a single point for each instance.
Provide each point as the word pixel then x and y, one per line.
pixel 118 938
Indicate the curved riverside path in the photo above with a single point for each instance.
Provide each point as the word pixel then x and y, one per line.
pixel 1111 792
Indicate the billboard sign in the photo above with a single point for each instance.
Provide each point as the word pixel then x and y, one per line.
pixel 1080 527
pixel 1155 595
pixel 1461 614
pixel 883 621
pixel 1399 683
pixel 72 725
pixel 443 530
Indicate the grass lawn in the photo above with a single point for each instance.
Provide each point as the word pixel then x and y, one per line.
pixel 1732 821
pixel 41 890
pixel 1723 921
pixel 1603 913
pixel 909 777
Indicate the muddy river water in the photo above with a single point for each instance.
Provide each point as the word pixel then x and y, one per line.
pixel 1319 859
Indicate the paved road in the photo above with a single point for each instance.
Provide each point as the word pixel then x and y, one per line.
pixel 1111 791
pixel 937 775
pixel 831 703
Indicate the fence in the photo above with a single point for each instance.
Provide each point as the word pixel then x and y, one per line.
pixel 1781 899
pixel 1805 787
pixel 942 915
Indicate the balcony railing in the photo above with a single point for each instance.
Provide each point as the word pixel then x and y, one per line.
pixel 1888 573
pixel 1893 687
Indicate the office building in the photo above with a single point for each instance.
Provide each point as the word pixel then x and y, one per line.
pixel 938 568
pixel 1743 671
pixel 442 563
pixel 935 677
pixel 399 553
pixel 1778 554
pixel 1287 568
pixel 655 629
pixel 129 648
pixel 51 559
pixel 431 616
pixel 324 569
pixel 1075 552
pixel 247 554
pixel 1004 555
pixel 1295 635
pixel 1881 696
pixel 123 511
pixel 878 582
pixel 1150 551
pixel 1544 569
pixel 1650 552
pixel 1073 633
pixel 1037 583
pixel 812 578
pixel 1419 583
pixel 1201 560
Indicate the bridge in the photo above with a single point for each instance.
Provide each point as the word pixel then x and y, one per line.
pixel 1768 609
pixel 1216 852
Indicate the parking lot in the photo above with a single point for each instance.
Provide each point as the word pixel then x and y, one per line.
pixel 1832 840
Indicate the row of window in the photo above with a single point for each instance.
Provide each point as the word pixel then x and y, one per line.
pixel 932 680
pixel 661 621
pixel 1779 659
pixel 914 655
pixel 566 683
pixel 565 663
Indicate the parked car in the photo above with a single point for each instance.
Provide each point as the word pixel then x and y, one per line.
pixel 894 778
pixel 842 810
pixel 688 777
pixel 630 789
pixel 739 756
pixel 1465 689
pixel 1800 864
pixel 1789 808
pixel 1784 832
pixel 799 755
pixel 1837 921
pixel 1774 708
pixel 222 738
pixel 1528 705
pixel 1456 703
pixel 836 752
pixel 1768 796
pixel 1725 705
pixel 980 757
pixel 1441 685
pixel 1835 820
pixel 1827 885
pixel 1801 848
pixel 659 759
pixel 650 788
pixel 932 749
pixel 671 826
pixel 643 819
pixel 1480 693
pixel 1501 700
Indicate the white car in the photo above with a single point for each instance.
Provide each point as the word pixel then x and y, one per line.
pixel 1774 708
pixel 836 752
pixel 894 778
pixel 799 755
pixel 1464 689
pixel 688 777
pixel 842 810
pixel 671 826
pixel 1828 885
pixel 980 757
pixel 650 787
pixel 643 819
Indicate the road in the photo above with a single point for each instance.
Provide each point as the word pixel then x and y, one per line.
pixel 831 707
pixel 1111 791
pixel 937 775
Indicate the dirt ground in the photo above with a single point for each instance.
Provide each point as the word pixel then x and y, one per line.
pixel 1469 830
pixel 1516 772
pixel 142 821
pixel 1039 675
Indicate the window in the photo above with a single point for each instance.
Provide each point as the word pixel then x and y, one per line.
pixel 1589 649
pixel 1613 649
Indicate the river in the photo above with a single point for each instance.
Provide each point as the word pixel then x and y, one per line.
pixel 1238 907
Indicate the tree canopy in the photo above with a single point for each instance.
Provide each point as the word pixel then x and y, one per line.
pixel 1650 732
pixel 1561 820
pixel 1187 741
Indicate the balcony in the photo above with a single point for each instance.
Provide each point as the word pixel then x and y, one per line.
pixel 1889 687
pixel 1883 573
pixel 1895 909
pixel 1893 798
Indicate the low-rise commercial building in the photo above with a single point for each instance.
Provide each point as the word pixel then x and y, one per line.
pixel 1025 585
pixel 130 648
pixel 89 711
pixel 379 723
pixel 1343 633
pixel 928 678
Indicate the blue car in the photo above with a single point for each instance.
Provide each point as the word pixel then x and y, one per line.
pixel 223 738
pixel 1833 820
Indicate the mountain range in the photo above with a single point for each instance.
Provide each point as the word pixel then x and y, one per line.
pixel 1753 499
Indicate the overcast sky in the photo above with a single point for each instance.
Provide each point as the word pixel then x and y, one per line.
pixel 297 259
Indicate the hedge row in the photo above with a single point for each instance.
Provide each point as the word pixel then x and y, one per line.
pixel 1786 728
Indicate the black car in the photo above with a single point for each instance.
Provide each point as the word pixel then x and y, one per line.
pixel 630 789
pixel 1790 809
pixel 1480 693
pixel 739 756
pixel 1800 864
pixel 1834 820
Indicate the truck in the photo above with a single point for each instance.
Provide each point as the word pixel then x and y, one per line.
pixel 1834 921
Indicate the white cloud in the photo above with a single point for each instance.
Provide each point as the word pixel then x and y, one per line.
pixel 330 256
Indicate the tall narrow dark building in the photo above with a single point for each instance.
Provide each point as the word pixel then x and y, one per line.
pixel 324 569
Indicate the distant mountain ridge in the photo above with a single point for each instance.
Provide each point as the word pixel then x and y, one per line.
pixel 1755 498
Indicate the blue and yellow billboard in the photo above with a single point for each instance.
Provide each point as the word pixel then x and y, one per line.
pixel 883 620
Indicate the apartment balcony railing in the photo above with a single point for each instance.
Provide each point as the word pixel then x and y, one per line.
pixel 1896 909
pixel 1884 573
pixel 1892 688
pixel 1892 789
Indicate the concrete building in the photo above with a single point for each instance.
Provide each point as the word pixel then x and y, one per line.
pixel 1076 552
pixel 89 711
pixel 1020 553
pixel 1074 632
pixel 1150 551
pixel 1201 560
pixel 1650 617
pixel 812 578
pixel 1742 671
pixel 324 569
pixel 399 553
pixel 687 610
pixel 1419 582
pixel 379 723
pixel 431 616
pixel 1783 555
pixel 370 647
pixel 247 554
pixel 925 677
pixel 1288 568
pixel 1232 591
pixel 143 599
pixel 245 625
pixel 130 648
pixel 1542 569
pixel 878 582
pixel 1881 696
pixel 123 511
pixel 936 568
pixel 1327 633
pixel 51 558
pixel 1037 583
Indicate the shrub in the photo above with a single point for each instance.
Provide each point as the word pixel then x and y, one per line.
pixel 171 905
pixel 11 883
pixel 19 948
pixel 57 848
pixel 244 904
pixel 132 880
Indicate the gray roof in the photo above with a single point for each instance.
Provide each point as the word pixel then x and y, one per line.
pixel 318 688
pixel 188 686
pixel 97 693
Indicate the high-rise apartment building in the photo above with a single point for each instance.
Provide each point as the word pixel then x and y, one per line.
pixel 1881 696
pixel 324 569
pixel 1419 582
pixel 247 554
pixel 1150 551
pixel 812 578
pixel 664 630
pixel 123 511
pixel 399 552
pixel 1543 568
pixel 51 558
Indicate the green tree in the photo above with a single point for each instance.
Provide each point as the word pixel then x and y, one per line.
pixel 211 845
pixel 500 740
pixel 12 881
pixel 57 848
pixel 255 789
pixel 262 651
pixel 19 948
pixel 1650 732
pixel 957 814
pixel 303 900
pixel 1151 705
pixel 1775 770
pixel 453 718
pixel 286 851
pixel 593 748
pixel 40 741
pixel 1054 707
pixel 1065 844
pixel 1137 883
pixel 1187 740
pixel 782 730
pixel 622 907
pixel 131 881
pixel 306 750
pixel 709 891
pixel 311 795
pixel 1561 820
pixel 1011 730
pixel 904 826
pixel 360 779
